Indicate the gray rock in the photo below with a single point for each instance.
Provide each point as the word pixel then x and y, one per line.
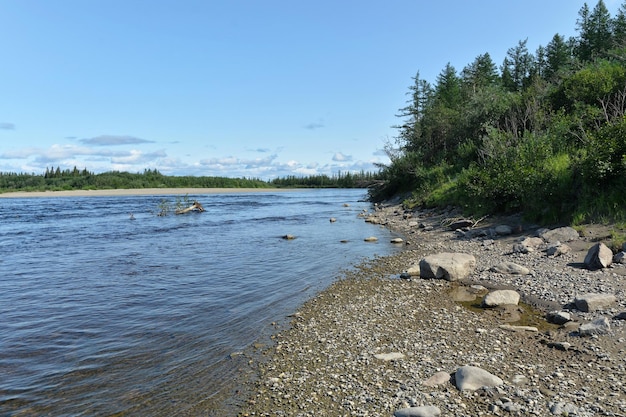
pixel 472 378
pixel 414 270
pixel 449 266
pixel 532 242
pixel 519 380
pixel 520 248
pixel 619 258
pixel 392 356
pixel 558 317
pixel 594 301
pixel 371 239
pixel 510 268
pixel 500 297
pixel 620 316
pixel 425 411
pixel 596 327
pixel 599 256
pixel 564 346
pixel 561 234
pixel 438 379
pixel 503 230
pixel 397 240
pixel 558 249
pixel 564 409
pixel 520 329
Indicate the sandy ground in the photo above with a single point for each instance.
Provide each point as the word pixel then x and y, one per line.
pixel 138 191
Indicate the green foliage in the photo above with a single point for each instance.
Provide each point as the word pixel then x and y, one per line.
pixel 340 180
pixel 545 136
pixel 56 180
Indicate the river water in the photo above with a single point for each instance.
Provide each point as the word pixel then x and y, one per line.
pixel 104 315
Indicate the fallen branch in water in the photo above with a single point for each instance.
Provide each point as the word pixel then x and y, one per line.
pixel 197 207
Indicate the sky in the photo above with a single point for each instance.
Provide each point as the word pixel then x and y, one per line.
pixel 236 88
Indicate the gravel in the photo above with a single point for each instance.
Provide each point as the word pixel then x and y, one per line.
pixel 373 342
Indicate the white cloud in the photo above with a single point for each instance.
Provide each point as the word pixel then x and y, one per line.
pixel 114 140
pixel 340 157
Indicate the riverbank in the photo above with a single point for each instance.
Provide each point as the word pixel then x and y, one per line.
pixel 374 343
pixel 139 191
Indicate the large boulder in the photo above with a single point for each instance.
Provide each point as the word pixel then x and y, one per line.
pixel 561 234
pixel 599 256
pixel 594 301
pixel 501 297
pixel 449 266
pixel 597 327
pixel 472 378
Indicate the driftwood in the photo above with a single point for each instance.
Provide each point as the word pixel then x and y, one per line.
pixel 197 207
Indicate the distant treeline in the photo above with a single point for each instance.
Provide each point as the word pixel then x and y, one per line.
pixel 56 179
pixel 340 180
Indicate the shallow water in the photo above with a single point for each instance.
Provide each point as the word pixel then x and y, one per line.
pixel 104 315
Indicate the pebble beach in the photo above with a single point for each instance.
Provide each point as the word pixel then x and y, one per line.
pixel 382 342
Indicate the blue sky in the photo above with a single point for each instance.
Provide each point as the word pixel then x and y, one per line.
pixel 236 88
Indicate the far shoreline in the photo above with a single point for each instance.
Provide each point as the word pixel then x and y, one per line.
pixel 140 192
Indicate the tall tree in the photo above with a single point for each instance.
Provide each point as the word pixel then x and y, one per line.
pixel 448 87
pixel 595 32
pixel 480 73
pixel 558 56
pixel 517 67
pixel 619 27
pixel 421 94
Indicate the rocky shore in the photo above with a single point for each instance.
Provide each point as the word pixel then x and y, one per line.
pixel 385 341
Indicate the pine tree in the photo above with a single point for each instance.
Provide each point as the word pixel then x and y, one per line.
pixel 595 32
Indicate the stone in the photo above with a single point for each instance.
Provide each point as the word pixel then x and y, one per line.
pixel 599 256
pixel 558 249
pixel 619 258
pixel 288 237
pixel 561 234
pixel 371 239
pixel 594 301
pixel 620 316
pixel 558 317
pixel 597 327
pixel 564 409
pixel 437 379
pixel 564 346
pixel 397 240
pixel 392 356
pixel 424 411
pixel 510 268
pixel 532 242
pixel 472 378
pixel 519 380
pixel 333 220
pixel 500 297
pixel 449 266
pixel 503 230
pixel 414 270
pixel 521 329
pixel 519 248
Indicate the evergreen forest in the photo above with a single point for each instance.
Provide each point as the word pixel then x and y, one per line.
pixel 543 133
pixel 55 179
